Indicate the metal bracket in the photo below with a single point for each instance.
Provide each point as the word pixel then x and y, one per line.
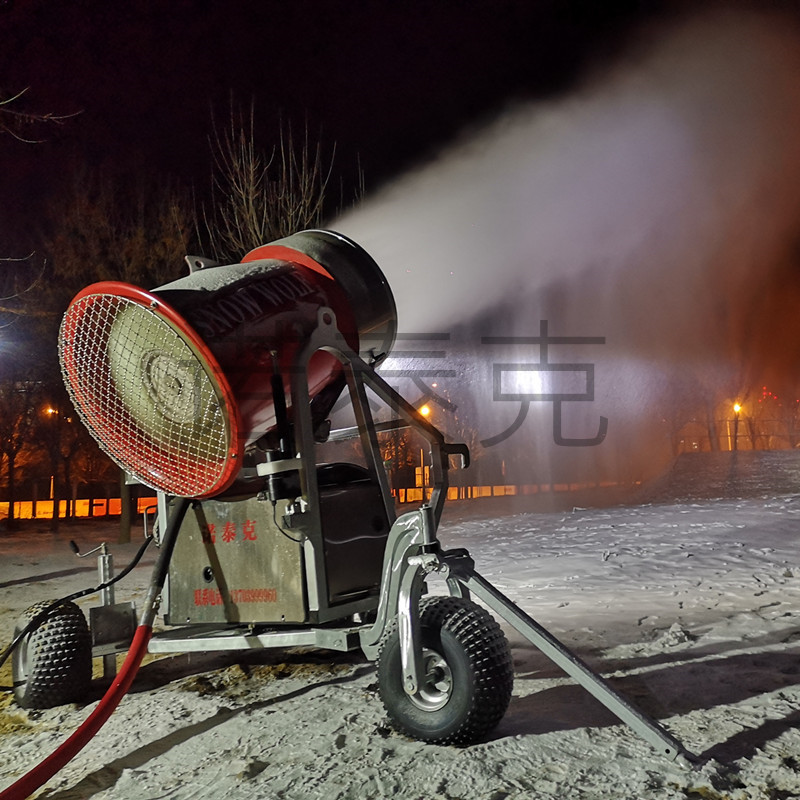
pixel 408 618
pixel 112 628
pixel 407 538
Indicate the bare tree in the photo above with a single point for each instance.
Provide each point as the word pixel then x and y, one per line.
pixel 99 230
pixel 97 473
pixel 258 197
pixel 19 279
pixel 17 121
pixel 112 230
pixel 61 438
pixel 17 420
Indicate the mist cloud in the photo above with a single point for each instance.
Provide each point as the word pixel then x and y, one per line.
pixel 658 206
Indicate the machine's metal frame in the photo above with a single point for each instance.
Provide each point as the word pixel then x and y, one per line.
pixel 413 553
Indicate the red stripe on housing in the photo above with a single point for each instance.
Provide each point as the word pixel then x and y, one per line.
pixel 280 252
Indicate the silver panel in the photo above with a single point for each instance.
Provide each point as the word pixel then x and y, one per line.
pixel 233 564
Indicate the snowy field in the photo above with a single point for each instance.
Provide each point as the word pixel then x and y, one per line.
pixel 690 609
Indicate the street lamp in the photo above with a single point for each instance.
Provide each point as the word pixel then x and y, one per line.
pixel 736 409
pixel 425 411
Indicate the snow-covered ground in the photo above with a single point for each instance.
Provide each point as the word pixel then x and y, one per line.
pixel 690 609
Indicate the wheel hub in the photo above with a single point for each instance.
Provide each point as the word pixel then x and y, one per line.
pixel 436 685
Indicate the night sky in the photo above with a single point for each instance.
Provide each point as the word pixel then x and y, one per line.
pixel 387 83
pixel 650 196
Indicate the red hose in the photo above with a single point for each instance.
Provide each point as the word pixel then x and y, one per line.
pixel 41 773
pixel 32 780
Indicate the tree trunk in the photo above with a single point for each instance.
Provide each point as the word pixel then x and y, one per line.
pixel 12 492
pixel 56 521
pixel 752 433
pixel 126 514
pixel 73 512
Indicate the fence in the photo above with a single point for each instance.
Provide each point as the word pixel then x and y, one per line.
pixel 84 508
pixel 421 494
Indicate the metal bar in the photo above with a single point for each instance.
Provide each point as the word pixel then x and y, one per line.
pixel 432 435
pixel 113 650
pixel 362 375
pixel 317 595
pixel 342 639
pixel 408 625
pixel 345 434
pixel 105 569
pixel 166 548
pixel 369 437
pixel 647 728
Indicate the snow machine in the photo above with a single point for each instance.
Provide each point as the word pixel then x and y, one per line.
pixel 275 529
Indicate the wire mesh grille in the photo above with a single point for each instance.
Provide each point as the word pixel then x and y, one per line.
pixel 151 403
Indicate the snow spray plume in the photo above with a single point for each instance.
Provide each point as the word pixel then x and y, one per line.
pixel 657 207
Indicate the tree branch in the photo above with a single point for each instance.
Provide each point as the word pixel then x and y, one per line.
pixel 13 120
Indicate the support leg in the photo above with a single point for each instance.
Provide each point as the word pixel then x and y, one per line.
pixel 647 728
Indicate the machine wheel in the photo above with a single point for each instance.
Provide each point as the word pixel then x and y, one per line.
pixel 53 664
pixel 468 674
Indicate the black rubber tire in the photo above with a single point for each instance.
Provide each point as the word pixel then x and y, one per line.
pixel 470 674
pixel 53 664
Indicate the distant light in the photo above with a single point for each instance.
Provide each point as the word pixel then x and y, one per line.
pixel 50 411
pixel 736 408
pixel 425 411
